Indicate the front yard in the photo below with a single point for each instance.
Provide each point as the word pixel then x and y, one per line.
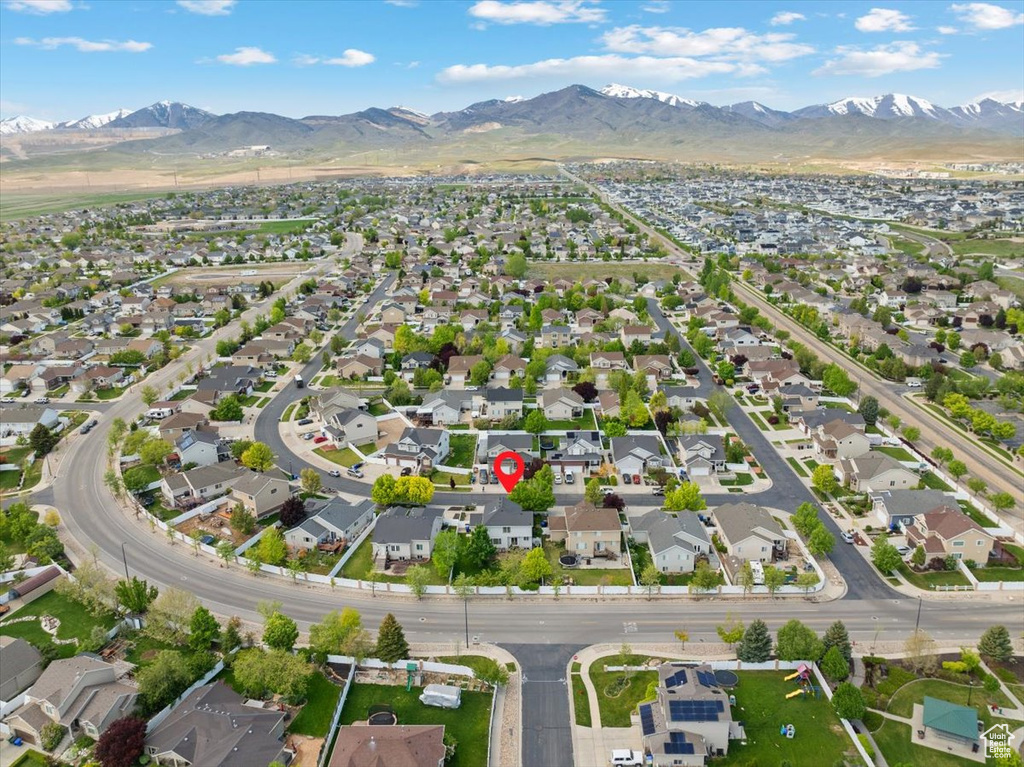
pixel 469 724
pixel 762 706
pixel 618 692
pixel 345 457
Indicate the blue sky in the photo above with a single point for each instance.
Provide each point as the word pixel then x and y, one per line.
pixel 64 59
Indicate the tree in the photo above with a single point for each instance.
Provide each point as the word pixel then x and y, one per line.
pixel 418 578
pixel 42 440
pixel 807 581
pixel 242 520
pixel 384 491
pixel 391 644
pixel 685 497
pixel 774 579
pixel 164 679
pixel 154 451
pixel 836 635
pixel 228 409
pixel 258 457
pixel 293 510
pixel 445 552
pixel 414 491
pixel 746 577
pixel 586 390
pixel 919 653
pixel 911 433
pixel 169 615
pixel 536 422
pixel 1002 501
pixel 821 541
pixel 805 519
pixel 884 555
pixel 956 469
pixel 848 701
pixel 868 408
pixel 535 567
pixel 536 494
pixel 122 743
pixel 995 644
pixel 719 402
pixel 798 642
pixel 834 665
pixel 592 491
pixel 272 549
pixel 731 631
pixel 478 550
pixel 838 381
pixel 977 485
pixel 239 447
pixel 704 578
pixel 756 644
pixel 226 551
pixel 135 595
pixel 204 629
pixel 942 454
pixel 310 481
pixel 339 632
pixel 261 674
pixel 149 395
pixel 824 479
pixel 649 578
pixel 516 266
pixel 280 632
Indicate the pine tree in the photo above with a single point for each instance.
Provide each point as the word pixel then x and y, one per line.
pixel 995 643
pixel 756 645
pixel 391 644
pixel 835 666
pixel 837 636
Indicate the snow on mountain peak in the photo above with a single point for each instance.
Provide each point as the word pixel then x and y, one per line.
pixel 23 124
pixel 616 91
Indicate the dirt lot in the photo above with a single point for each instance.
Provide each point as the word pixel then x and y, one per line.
pixel 390 431
pixel 227 276
pixel 307 750
pixel 214 524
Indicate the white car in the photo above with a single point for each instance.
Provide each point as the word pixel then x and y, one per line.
pixel 42 400
pixel 7 401
pixel 847 536
pixel 334 473
pixel 904 550
pixel 607 490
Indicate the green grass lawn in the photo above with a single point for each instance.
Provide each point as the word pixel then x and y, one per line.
pixel 580 701
pixel 469 724
pixel 287 414
pixel 902 702
pixel 976 515
pixel 75 622
pixel 112 393
pixel 893 740
pixel 9 480
pixel 998 248
pixel 589 577
pixel 758 421
pixel 33 475
pixel 899 453
pixel 143 648
pixel 762 706
pixel 585 421
pixel 16 455
pixel 360 563
pixel 30 759
pixel 378 409
pixel 927 580
pixel 617 704
pixel 285 227
pixel 344 457
pixel 145 474
pixel 463 451
pixel 315 717
pixel 742 480
pixel 444 478
pixel 934 483
pixel 998 573
pixel 265 386
pixel 183 394
pixel 797 467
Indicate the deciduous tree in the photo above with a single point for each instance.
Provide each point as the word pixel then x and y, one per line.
pixel 258 457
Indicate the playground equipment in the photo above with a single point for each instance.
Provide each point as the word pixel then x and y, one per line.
pixel 802 671
pixel 801 691
pixel 803 677
pixel 788 730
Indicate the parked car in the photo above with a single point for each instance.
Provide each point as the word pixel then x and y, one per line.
pixel 847 536
pixel 308 436
pixel 558 479
pixel 494 478
pixel 607 490
pixel 334 473
pixel 208 539
pixel 354 472
pixel 304 421
pixel 406 471
pixel 904 550
pixel 86 427
pixel 636 479
pixel 657 490
pixel 484 478
pixel 319 440
pixel 7 401
pixel 570 478
pixel 627 478
pixel 42 400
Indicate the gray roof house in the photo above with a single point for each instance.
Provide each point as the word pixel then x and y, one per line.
pixel 22 665
pixel 508 525
pixel 749 532
pixel 336 522
pixel 702 454
pixel 214 727
pixel 676 543
pixel 203 448
pixel 637 453
pixel 899 507
pixel 201 484
pixel 418 449
pixel 351 426
pixel 406 533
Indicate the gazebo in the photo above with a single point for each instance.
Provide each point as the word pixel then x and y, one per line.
pixel 948 727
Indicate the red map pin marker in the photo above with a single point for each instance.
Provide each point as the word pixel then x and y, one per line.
pixel 508 479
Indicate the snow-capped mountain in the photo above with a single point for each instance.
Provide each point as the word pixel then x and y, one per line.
pixel 23 124
pixel 617 91
pixel 94 121
pixel 891 106
pixel 164 114
pixel 410 114
pixel 758 112
pixel 991 114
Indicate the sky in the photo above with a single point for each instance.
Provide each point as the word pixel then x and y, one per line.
pixel 65 59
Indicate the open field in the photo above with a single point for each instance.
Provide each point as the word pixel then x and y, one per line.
pixel 15 206
pixel 228 275
pixel 572 270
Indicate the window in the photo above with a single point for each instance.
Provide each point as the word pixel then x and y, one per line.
pixel 419 547
pixel 959 543
pixel 506 529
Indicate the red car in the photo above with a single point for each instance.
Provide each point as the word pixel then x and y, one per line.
pixel 636 479
pixel 319 440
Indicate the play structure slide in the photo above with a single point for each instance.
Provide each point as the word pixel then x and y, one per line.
pixel 795 674
pixel 793 694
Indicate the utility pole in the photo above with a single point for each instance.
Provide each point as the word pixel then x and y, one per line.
pixel 917 623
pixel 124 558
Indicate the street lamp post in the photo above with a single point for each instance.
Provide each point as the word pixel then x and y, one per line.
pixel 124 558
pixel 465 605
pixel 970 690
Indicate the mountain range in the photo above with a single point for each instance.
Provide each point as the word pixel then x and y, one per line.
pixel 615 116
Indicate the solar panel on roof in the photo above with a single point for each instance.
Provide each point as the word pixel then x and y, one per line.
pixel 694 710
pixel 676 679
pixel 677 744
pixel 646 720
pixel 706 678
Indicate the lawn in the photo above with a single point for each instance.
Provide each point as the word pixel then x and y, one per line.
pixel 462 453
pixel 998 248
pixel 976 515
pixel 112 393
pixel 315 717
pixel 797 467
pixel 143 648
pixel 902 702
pixel 377 409
pixel 927 580
pixel 344 457
pixel 469 724
pixel 934 483
pixel 16 455
pixel 33 475
pixel 742 480
pixel 585 421
pixel 899 453
pixel 144 474
pixel 580 701
pixel 75 622
pixel 444 478
pixel 287 414
pixel 294 226
pixel 265 386
pixel 998 573
pixel 757 420
pixel 617 703
pixel 762 707
pixel 589 576
pixel 9 480
pixel 360 564
pixel 30 759
pixel 893 739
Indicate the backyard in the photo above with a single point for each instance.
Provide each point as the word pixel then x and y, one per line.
pixel 469 725
pixel 588 576
pixel 462 451
pixel 315 717
pixel 360 564
pixel 762 706
pixel 75 622
pixel 928 580
pixel 618 693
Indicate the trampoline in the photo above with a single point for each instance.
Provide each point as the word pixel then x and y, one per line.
pixel 568 560
pixel 726 678
pixel 381 713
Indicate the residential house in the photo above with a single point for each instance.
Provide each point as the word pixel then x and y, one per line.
pixel 403 745
pixel 522 444
pixel 499 403
pixel 415 361
pixel 874 472
pixel 508 366
pixel 554 336
pixel 405 534
pixel 202 448
pixel 558 368
pixel 261 494
pixel 898 508
pixel 588 531
pixel 560 404
pixel 637 453
pixel 178 424
pixel 36 586
pixel 507 524
pixel 948 532
pixel 214 726
pixel 21 420
pixel 202 484
pixel 18 377
pixel 838 439
pixel 359 366
pixel 656 366
pixel 418 449
pixel 339 521
pixel 630 333
pixel 749 532
pixel 83 694
pixel 21 666
pixel 350 426
pixel 702 454
pixel 460 367
pixel 442 408
pixel 676 543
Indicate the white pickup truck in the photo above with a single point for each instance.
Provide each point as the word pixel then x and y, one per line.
pixel 627 757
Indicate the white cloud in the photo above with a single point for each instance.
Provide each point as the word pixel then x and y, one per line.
pixel 305 60
pixel 247 56
pixel 208 7
pixel 85 46
pixel 597 67
pixel 1006 97
pixel 352 58
pixel 947 30
pixel 784 18
pixel 403 3
pixel 884 20
pixel 987 16
pixel 39 7
pixel 721 42
pixel 540 12
pixel 900 56
pixel 656 6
